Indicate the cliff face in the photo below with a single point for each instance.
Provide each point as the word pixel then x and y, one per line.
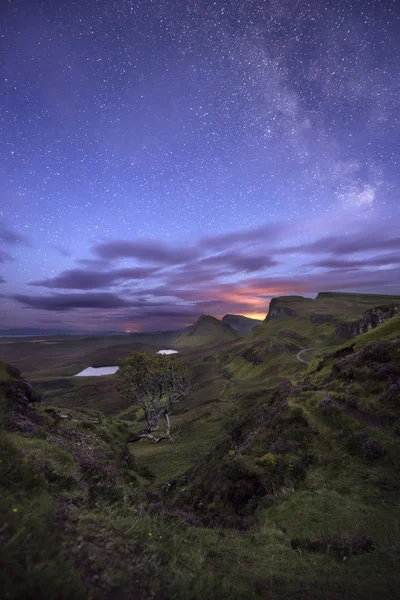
pixel 370 319
pixel 16 396
pixel 277 312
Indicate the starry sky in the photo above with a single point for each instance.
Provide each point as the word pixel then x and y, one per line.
pixel 162 159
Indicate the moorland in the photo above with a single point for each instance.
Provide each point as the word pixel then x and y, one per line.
pixel 283 479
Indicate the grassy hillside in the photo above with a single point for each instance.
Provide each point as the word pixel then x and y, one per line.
pixel 293 324
pixel 206 331
pixel 284 481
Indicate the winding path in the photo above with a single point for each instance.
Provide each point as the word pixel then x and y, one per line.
pixel 298 355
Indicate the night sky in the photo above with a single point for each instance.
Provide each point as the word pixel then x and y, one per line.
pixel 161 159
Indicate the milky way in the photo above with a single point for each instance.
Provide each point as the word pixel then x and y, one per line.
pixel 164 159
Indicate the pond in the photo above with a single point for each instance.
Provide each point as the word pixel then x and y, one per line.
pixel 96 371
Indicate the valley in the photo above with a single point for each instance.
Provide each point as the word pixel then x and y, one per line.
pixel 283 479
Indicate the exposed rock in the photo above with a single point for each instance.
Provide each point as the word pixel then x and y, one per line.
pixel 370 319
pixel 279 311
pixel 16 395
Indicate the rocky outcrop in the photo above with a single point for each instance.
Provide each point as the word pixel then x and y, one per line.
pixel 16 396
pixel 278 312
pixel 370 319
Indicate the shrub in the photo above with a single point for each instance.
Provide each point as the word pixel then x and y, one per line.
pixel 392 395
pixel 296 412
pixel 358 443
pixel 371 449
pixel 352 402
pixel 328 406
pixel 386 372
pixel 375 352
pixel 283 446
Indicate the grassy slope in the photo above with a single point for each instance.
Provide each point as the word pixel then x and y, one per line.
pixel 272 346
pixel 342 494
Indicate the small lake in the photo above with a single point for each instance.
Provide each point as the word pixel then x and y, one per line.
pixel 96 371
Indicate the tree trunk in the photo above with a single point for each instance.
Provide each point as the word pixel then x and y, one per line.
pixel 147 436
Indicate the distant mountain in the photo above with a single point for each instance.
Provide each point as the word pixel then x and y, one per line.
pixel 33 331
pixel 206 330
pixel 240 323
pixel 28 331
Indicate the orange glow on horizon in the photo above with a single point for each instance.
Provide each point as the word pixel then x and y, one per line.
pixel 259 316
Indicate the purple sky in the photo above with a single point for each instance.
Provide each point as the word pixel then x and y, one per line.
pixel 160 160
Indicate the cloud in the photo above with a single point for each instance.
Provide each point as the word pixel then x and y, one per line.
pixel 228 273
pixel 80 279
pixel 9 236
pixel 239 262
pixel 66 302
pixel 338 263
pixel 4 256
pixel 2 280
pixel 338 279
pixel 148 251
pixel 93 263
pixel 268 232
pixel 346 244
pixel 63 251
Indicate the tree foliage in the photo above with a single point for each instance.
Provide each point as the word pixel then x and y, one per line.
pixel 155 382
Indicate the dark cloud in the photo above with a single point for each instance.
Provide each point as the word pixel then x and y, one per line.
pixel 338 263
pixel 79 279
pixel 346 244
pixel 190 275
pixel 312 283
pixel 66 302
pixel 239 262
pixel 4 256
pixel 93 263
pixel 63 251
pixel 8 236
pixel 148 251
pixel 265 233
pixel 2 280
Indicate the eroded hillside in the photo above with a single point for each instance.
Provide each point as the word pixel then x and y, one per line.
pixel 283 482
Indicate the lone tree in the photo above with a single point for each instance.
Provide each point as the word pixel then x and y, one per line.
pixel 155 382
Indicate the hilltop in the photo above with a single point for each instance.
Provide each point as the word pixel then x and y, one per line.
pixel 206 331
pixel 240 323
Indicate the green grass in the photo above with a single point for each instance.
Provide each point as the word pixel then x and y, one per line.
pixel 78 532
pixel 389 330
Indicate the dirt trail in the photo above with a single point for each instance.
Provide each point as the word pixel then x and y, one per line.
pixel 298 355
